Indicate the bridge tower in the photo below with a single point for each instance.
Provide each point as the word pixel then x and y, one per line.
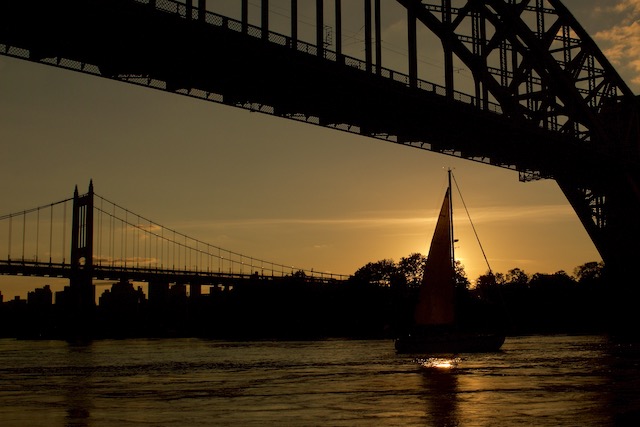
pixel 81 292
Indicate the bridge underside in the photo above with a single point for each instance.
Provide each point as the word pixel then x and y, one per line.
pixel 131 42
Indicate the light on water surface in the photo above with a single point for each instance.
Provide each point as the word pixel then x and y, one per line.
pixel 546 381
pixel 438 362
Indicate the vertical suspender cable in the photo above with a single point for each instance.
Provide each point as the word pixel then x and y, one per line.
pixel 137 253
pixel 124 232
pixel 100 232
pixel 9 247
pixel 111 242
pixel 24 231
pixel 51 234
pixel 37 233
pixel 151 247
pixel 64 233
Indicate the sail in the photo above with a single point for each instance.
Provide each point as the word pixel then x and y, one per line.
pixel 436 300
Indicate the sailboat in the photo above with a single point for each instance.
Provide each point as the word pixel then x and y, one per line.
pixel 436 328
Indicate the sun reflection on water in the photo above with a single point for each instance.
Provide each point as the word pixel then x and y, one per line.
pixel 440 363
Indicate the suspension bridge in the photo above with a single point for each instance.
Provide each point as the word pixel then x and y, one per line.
pixel 90 234
pixel 544 100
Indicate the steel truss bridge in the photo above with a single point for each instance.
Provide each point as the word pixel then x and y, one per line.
pixel 544 100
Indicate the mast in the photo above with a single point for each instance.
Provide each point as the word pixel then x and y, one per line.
pixel 453 259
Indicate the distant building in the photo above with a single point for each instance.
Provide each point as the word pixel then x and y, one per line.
pixel 123 296
pixel 16 302
pixel 158 293
pixel 61 296
pixel 40 297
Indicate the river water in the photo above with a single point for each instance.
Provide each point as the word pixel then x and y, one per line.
pixel 537 380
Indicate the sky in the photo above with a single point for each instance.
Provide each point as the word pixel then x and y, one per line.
pixel 276 189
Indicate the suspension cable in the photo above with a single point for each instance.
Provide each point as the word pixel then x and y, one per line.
pixel 170 244
pixel 28 211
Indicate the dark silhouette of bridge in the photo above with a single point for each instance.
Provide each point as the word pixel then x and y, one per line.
pixel 109 242
pixel 544 99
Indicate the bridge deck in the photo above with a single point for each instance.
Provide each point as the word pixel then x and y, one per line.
pixel 116 273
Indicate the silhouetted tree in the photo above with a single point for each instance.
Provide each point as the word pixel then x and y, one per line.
pixel 589 272
pixel 461 276
pixel 412 268
pixel 485 283
pixel 376 273
pixel 555 280
pixel 516 276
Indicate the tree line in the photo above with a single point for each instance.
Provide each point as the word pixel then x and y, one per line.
pixel 377 301
pixel 524 303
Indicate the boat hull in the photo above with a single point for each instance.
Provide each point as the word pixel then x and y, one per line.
pixel 450 343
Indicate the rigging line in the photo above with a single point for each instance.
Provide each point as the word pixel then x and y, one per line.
pixel 472 226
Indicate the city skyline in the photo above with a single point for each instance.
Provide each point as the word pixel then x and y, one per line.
pixel 276 189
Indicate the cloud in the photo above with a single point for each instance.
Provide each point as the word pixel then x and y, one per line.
pixel 529 214
pixel 623 40
pixel 493 214
pixel 624 6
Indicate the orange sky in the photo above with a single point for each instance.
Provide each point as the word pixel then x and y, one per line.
pixel 279 190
